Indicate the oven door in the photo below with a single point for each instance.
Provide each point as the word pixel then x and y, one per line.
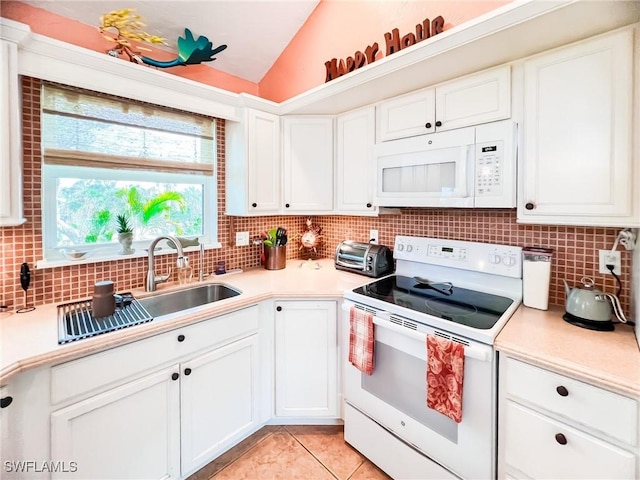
pixel 394 397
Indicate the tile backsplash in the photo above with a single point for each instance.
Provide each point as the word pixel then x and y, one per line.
pixel 575 248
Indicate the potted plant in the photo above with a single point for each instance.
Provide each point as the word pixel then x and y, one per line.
pixel 125 234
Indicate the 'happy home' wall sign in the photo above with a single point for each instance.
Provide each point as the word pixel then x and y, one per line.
pixel 394 43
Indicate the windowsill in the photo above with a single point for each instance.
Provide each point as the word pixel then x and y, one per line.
pixel 113 256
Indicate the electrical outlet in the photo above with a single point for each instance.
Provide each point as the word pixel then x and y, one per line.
pixel 242 239
pixel 607 257
pixel 373 236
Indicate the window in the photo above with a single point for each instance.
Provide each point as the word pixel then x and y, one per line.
pixel 105 157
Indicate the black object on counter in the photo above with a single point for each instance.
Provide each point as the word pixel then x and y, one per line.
pixel 25 281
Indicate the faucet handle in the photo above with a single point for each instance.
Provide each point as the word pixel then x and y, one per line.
pixel 164 278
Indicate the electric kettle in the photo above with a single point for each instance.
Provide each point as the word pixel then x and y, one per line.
pixel 588 307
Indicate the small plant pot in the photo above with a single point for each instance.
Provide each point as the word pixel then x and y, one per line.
pixel 126 239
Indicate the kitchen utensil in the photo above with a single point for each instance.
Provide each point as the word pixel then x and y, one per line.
pixel 25 280
pixel 281 234
pixel 588 307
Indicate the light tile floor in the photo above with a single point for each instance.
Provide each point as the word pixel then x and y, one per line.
pixel 292 452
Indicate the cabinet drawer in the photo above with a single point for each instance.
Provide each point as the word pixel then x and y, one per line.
pixel 607 412
pixel 96 372
pixel 532 447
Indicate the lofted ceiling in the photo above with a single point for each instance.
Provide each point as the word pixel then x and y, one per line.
pixel 255 31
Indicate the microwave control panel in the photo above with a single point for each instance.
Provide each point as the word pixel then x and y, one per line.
pixel 489 168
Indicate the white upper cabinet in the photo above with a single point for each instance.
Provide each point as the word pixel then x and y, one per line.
pixel 308 164
pixel 10 137
pixel 355 137
pixel 479 98
pixel 577 165
pixel 253 164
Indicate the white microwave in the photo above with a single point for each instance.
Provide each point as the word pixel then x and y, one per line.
pixel 466 168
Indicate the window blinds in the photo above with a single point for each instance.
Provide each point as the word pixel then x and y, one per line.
pixel 82 128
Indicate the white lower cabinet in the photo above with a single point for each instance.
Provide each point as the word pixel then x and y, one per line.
pixel 132 431
pixel 218 401
pixel 552 426
pixel 306 354
pixel 198 396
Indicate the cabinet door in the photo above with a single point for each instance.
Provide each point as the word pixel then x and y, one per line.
pixel 219 392
pixel 10 137
pixel 264 162
pixel 308 164
pixel 129 432
pixel 252 169
pixel 577 165
pixel 479 98
pixel 354 162
pixel 407 116
pixel 306 348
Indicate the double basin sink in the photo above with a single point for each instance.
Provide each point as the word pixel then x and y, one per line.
pixel 172 302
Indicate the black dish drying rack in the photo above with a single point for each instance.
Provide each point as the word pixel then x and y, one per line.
pixel 76 321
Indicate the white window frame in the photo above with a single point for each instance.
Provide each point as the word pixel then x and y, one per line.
pixel 50 175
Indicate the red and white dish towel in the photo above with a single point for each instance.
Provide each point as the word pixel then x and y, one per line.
pixel 445 371
pixel 361 340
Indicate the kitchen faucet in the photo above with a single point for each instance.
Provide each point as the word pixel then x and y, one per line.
pixel 152 280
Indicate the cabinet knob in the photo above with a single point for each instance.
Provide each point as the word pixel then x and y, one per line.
pixel 5 402
pixel 279 309
pixel 368 205
pixel 561 439
pixel 187 371
pixel 562 391
pixel 286 205
pixel 254 205
pixel 438 123
pixel 181 338
pixel 530 206
pixel 175 376
pixel 427 125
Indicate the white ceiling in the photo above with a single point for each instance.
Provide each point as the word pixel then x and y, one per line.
pixel 255 31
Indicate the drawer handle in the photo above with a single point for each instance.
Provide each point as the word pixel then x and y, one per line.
pixel 562 391
pixel 175 376
pixel 561 439
pixel 181 338
pixel 187 371
pixel 5 402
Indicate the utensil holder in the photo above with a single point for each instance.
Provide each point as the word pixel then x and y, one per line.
pixel 275 258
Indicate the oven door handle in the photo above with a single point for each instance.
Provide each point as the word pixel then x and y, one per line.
pixel 471 351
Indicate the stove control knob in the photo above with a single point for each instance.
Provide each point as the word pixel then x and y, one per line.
pixel 369 258
pixel 494 259
pixel 368 267
pixel 400 247
pixel 508 261
pixel 409 248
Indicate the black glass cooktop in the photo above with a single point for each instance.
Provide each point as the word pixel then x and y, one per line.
pixel 444 300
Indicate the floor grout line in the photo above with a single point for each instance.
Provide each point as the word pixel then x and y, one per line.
pixel 246 452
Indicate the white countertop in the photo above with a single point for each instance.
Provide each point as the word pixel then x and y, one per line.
pixel 607 359
pixel 29 340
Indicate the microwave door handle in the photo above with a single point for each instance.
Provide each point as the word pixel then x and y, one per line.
pixel 469 350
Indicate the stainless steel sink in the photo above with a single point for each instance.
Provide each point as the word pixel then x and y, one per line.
pixel 172 302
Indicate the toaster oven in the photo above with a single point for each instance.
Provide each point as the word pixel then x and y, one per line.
pixel 364 258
